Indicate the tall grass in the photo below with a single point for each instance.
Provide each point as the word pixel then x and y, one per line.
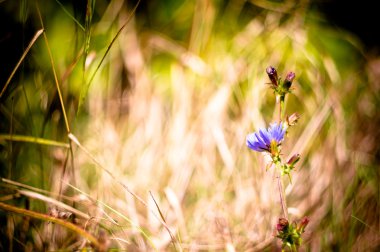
pixel 143 130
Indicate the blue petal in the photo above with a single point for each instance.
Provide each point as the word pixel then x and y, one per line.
pixel 265 136
pixel 254 143
pixel 261 140
pixel 251 142
pixel 277 132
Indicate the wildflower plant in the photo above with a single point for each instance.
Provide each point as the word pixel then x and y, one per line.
pixel 268 141
pixel 290 234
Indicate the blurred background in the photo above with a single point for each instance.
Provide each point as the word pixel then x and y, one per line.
pixel 133 116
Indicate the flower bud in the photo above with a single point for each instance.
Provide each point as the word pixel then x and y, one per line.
pixel 303 224
pixel 272 74
pixel 292 119
pixel 282 225
pixel 288 80
pixel 294 159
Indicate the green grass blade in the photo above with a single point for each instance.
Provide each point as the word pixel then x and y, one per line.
pixel 54 71
pixel 31 139
pixel 69 15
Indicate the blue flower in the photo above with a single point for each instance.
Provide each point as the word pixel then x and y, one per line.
pixel 267 139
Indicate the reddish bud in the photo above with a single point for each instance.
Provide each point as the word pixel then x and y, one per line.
pixel 282 224
pixel 294 159
pixel 303 224
pixel 272 74
pixel 289 80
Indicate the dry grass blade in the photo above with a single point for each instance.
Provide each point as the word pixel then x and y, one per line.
pixel 163 219
pixel 38 33
pixel 118 213
pixel 54 71
pixel 17 184
pixel 48 218
pixel 76 141
pixel 55 202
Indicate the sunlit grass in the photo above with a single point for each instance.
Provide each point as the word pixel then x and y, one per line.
pixel 154 117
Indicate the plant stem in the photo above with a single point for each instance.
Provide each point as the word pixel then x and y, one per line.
pixel 280 100
pixel 281 112
pixel 281 192
pixel 294 248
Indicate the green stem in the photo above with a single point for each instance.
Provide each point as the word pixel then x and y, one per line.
pixel 281 191
pixel 281 99
pixel 294 248
pixel 282 107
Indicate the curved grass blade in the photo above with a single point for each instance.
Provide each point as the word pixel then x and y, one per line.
pixel 49 218
pixel 38 33
pixel 31 139
pixel 55 202
pixel 16 184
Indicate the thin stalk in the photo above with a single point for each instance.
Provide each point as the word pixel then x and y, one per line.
pixel 54 72
pixel 281 100
pixel 282 198
pixel 282 193
pixel 281 111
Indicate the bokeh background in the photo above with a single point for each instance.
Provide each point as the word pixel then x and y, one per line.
pixel 149 104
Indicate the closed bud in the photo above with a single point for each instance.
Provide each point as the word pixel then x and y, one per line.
pixel 289 80
pixel 292 119
pixel 294 159
pixel 303 224
pixel 272 74
pixel 282 225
